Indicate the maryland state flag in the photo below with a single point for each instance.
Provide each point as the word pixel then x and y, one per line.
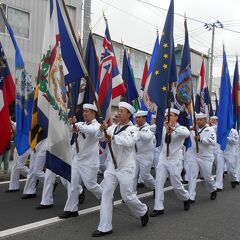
pixel 36 134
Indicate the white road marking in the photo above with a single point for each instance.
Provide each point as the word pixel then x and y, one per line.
pixel 35 225
pixel 7 182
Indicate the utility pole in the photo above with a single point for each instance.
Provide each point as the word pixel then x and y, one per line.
pixel 211 27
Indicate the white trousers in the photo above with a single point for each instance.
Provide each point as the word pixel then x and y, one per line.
pixel 205 167
pixel 47 193
pixel 79 174
pixel 237 166
pixel 156 153
pixel 144 162
pixel 171 168
pixel 36 172
pixel 230 161
pixel 125 180
pixel 18 167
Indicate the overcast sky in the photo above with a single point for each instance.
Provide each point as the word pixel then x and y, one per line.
pixel 135 23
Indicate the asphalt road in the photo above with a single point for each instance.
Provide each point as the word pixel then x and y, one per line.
pixel 206 220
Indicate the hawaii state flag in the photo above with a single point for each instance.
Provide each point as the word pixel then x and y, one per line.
pixel 7 96
pixel 110 84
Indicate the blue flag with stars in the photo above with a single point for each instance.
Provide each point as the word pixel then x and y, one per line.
pixel 163 71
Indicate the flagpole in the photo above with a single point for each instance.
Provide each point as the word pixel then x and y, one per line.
pixel 80 45
pixel 168 136
pixel 74 126
pixel 194 121
pixel 87 77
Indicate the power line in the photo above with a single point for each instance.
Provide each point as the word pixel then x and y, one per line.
pixel 190 18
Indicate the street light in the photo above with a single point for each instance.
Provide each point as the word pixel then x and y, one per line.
pixel 211 27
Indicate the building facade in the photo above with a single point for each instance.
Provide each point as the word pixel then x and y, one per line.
pixel 27 19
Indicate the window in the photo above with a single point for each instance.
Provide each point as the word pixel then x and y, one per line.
pixel 2 24
pixel 19 21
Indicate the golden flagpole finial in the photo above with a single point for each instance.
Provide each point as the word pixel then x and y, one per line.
pixel 90 27
pixel 104 16
pixel 79 33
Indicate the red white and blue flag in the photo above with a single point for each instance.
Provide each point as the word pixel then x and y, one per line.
pixel 236 97
pixel 203 101
pixel 110 84
pixel 7 96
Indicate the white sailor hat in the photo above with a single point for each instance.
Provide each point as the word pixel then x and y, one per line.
pixel 141 113
pixel 90 106
pixel 128 106
pixel 172 110
pixel 154 116
pixel 200 115
pixel 213 117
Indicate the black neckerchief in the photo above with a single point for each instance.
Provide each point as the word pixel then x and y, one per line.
pixel 121 129
pixel 142 127
pixel 75 135
pixel 202 130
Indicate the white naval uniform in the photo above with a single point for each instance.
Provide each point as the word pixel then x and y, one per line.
pixel 202 161
pixel 157 150
pixel 216 148
pixel 18 167
pixel 48 186
pixel 85 164
pixel 123 145
pixel 170 166
pixel 36 172
pixel 227 156
pixel 237 166
pixel 144 156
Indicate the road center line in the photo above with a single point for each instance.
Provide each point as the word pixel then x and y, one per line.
pixel 35 225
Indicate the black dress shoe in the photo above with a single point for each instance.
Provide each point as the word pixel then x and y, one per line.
pixel 219 189
pixel 27 196
pixel 12 190
pixel 187 205
pixel 213 195
pixel 191 201
pixel 234 184
pixel 184 182
pixel 55 186
pixel 68 214
pixel 98 233
pixel 81 198
pixel 156 213
pixel 144 219
pixel 140 185
pixel 41 206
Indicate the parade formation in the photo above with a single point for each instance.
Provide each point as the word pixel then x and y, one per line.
pixel 66 127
